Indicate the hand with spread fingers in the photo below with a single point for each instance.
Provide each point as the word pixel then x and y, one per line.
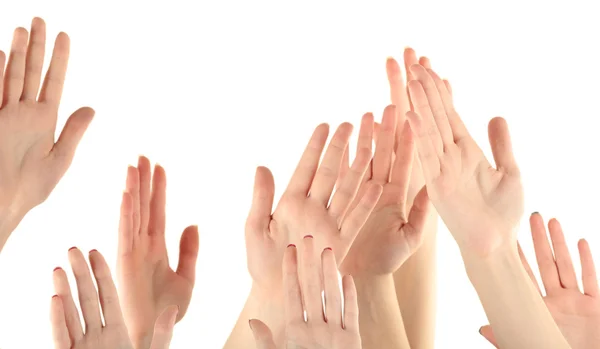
pixel 66 325
pixel 576 313
pixel 482 206
pixel 31 162
pixel 148 285
pixel 307 205
pixel 324 327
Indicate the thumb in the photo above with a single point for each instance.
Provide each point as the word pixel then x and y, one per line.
pixel 262 335
pixel 163 328
pixel 487 333
pixel 188 253
pixel 417 218
pixel 501 145
pixel 64 149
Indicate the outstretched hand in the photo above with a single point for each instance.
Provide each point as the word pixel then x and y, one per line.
pixel 31 162
pixel 576 313
pixel 147 283
pixel 324 327
pixel 480 204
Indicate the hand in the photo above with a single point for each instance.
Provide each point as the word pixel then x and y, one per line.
pixel 66 326
pixel 31 163
pixel 147 283
pixel 577 314
pixel 481 205
pixel 298 212
pixel 335 331
pixel 389 236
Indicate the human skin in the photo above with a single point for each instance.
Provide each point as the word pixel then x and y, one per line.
pixel 481 205
pixel 575 311
pixel 337 330
pixel 324 214
pixel 31 161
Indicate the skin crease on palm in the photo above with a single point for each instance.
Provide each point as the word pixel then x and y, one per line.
pixel 303 293
pixel 576 313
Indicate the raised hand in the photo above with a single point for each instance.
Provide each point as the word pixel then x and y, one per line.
pixel 307 205
pixel 147 283
pixel 576 313
pixel 323 327
pixel 390 234
pixel 31 162
pixel 480 204
pixel 66 326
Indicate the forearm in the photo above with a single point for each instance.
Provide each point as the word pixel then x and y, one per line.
pixel 268 309
pixel 381 324
pixel 513 306
pixel 416 283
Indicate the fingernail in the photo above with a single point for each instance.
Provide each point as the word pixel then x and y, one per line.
pixel 534 213
pixel 72 248
pixel 291 245
pixel 57 268
pixel 55 296
pixel 94 250
pixel 250 323
pixel 327 248
pixel 480 328
pixel 308 237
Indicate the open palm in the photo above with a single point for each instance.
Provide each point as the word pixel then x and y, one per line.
pixel 576 313
pixel 147 283
pixel 481 205
pixel 390 235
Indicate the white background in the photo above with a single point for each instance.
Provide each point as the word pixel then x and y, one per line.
pixel 211 91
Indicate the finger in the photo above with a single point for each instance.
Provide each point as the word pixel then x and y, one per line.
pixel 415 227
pixel 398 95
pixel 262 202
pixel 425 62
pixel 543 254
pixel 354 222
pixel 345 167
pixel 2 64
pixel 60 332
pixel 132 186
pixel 163 328
pixel 109 298
pixel 309 162
pixel 328 172
pixel 54 81
pixel 403 164
pixel 588 270
pixel 88 296
pixel 432 106
pixel 65 147
pixel 333 300
pixel 564 264
pixel 448 87
pixel 15 69
pixel 429 158
pixel 427 123
pixel 410 58
pixel 35 59
pixel 376 131
pixel 188 254
pixel 262 335
pixel 502 146
pixel 63 290
pixel 528 268
pixel 158 202
pixel 350 304
pixel 145 171
pixel 382 160
pixel 126 232
pixel 487 333
pixel 294 312
pixel 365 141
pixel 310 281
pixel 349 187
pixel 458 128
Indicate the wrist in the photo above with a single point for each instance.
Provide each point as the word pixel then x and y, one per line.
pixel 9 219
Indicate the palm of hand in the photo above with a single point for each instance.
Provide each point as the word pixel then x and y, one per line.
pixel 320 338
pixel 116 338
pixel 577 315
